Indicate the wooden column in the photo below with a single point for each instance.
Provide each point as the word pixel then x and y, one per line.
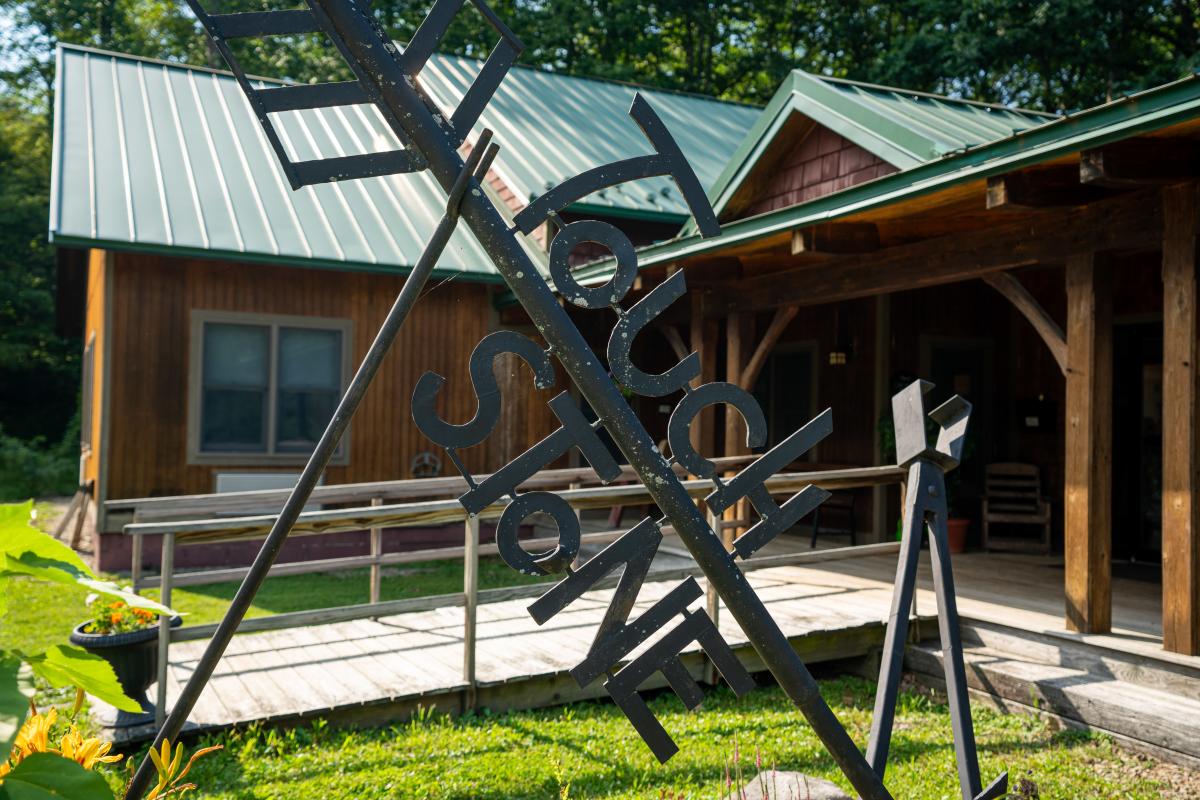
pixel 881 530
pixel 739 334
pixel 1180 461
pixel 1088 494
pixel 703 335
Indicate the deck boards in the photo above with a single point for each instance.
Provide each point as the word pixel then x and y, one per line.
pixel 372 670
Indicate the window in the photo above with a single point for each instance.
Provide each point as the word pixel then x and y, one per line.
pixel 264 388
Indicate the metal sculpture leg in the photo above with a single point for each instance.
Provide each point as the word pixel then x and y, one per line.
pixel 925 509
pixel 892 664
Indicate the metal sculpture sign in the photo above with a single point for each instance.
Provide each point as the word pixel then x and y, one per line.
pixel 388 77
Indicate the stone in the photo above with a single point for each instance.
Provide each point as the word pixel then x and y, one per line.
pixel 779 785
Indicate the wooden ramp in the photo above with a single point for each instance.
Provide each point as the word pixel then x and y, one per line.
pixel 374 671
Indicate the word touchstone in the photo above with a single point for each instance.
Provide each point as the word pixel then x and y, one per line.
pixel 777 785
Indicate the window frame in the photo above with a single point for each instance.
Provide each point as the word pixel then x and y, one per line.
pixel 87 397
pixel 201 317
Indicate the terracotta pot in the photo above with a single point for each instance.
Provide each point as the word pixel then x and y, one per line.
pixel 956 533
pixel 134 657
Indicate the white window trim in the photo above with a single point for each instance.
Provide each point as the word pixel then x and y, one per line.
pixel 195 384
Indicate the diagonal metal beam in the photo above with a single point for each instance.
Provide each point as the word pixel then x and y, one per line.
pixel 469 174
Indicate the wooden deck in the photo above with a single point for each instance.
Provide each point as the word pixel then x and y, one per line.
pixel 374 671
pixel 377 670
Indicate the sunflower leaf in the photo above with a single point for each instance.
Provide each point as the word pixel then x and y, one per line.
pixel 58 571
pixel 15 691
pixel 46 776
pixel 64 665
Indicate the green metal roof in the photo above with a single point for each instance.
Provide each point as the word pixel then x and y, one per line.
pixel 902 127
pixel 551 127
pixel 1147 111
pixel 165 157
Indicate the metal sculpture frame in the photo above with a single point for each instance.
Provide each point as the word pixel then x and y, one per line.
pixel 387 76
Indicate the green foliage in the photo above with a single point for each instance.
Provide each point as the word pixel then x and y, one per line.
pixel 32 469
pixel 64 665
pixel 15 692
pixel 43 776
pixel 26 555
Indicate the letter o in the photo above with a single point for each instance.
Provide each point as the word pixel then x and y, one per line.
pixel 592 230
pixel 509 529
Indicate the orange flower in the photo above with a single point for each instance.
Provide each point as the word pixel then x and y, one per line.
pixel 86 752
pixel 115 619
pixel 34 736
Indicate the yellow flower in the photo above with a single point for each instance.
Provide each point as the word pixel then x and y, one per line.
pixel 34 736
pixel 87 752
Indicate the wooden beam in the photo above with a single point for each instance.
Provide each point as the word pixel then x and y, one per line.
pixel 1141 162
pixel 1132 221
pixel 675 340
pixel 1007 284
pixel 703 332
pixel 1181 431
pixel 835 238
pixel 783 317
pixel 1088 496
pixel 1048 187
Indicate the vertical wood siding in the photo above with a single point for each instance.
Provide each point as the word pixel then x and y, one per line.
pixel 154 298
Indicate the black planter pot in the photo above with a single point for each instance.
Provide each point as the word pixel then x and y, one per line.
pixel 134 657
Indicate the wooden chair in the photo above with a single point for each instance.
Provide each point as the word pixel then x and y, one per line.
pixel 1013 496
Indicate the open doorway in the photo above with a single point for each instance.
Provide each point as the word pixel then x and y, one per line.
pixel 1137 448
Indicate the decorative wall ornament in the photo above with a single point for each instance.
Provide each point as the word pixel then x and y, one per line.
pixel 388 77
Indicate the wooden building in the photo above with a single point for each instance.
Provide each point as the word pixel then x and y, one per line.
pixel 1044 267
pixel 224 313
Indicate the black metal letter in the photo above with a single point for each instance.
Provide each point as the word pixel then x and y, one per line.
pixel 668 160
pixel 508 533
pixel 576 431
pixel 592 230
pixel 487 393
pixel 627 328
pixel 750 483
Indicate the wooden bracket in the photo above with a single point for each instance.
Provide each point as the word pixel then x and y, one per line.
pixel 1052 334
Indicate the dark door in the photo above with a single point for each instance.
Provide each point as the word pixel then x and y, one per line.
pixel 786 389
pixel 1137 442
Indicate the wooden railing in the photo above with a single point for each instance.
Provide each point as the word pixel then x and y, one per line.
pixel 425 513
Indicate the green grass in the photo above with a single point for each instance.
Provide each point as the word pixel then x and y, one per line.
pixel 590 746
pixel 53 609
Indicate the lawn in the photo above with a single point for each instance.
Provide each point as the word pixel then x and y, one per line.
pixel 588 750
pixel 52 609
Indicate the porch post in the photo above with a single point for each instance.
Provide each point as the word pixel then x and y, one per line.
pixel 703 334
pixel 1088 495
pixel 1180 525
pixel 883 343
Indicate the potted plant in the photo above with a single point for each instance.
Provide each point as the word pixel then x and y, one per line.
pixel 127 638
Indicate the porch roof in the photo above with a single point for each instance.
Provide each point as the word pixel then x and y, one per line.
pixel 905 128
pixel 1151 111
pixel 164 157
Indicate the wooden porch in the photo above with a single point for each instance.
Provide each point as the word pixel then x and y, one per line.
pixel 371 671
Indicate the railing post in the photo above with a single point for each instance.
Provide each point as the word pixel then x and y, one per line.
pixel 135 562
pixel 712 601
pixel 470 603
pixel 376 553
pixel 164 626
